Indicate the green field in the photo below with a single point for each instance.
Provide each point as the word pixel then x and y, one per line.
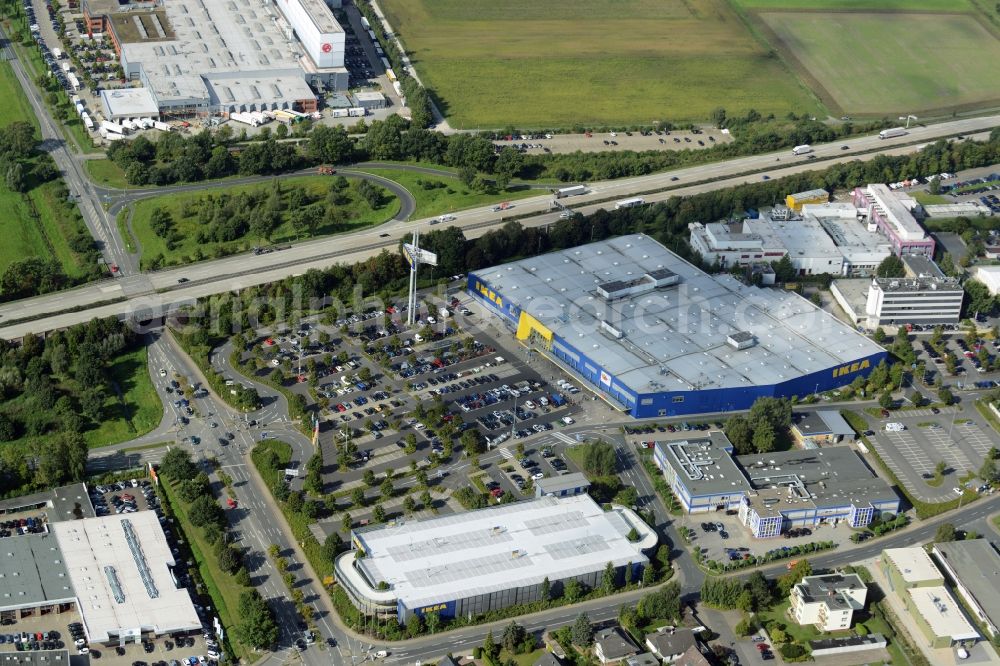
pixel 105 172
pixel 142 404
pixel 862 5
pixel 591 62
pixel 183 209
pixel 15 106
pixel 453 197
pixel 909 63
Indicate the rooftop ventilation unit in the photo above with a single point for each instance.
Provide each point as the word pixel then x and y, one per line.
pixel 741 340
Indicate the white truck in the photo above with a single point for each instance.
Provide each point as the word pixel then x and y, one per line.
pixel 356 112
pixel 365 23
pixel 802 150
pixel 111 127
pixel 88 121
pixel 572 191
pixel 66 67
pixel 630 203
pixel 57 53
pixel 895 131
pixel 163 127
pixel 246 118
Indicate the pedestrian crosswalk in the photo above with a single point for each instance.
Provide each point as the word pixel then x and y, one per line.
pixel 506 453
pixel 563 437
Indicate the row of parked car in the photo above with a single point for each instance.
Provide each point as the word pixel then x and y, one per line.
pixel 21 526
pixel 39 640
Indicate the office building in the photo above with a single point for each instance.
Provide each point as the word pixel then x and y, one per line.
pixel 829 601
pixel 822 427
pixel 924 297
pixel 775 491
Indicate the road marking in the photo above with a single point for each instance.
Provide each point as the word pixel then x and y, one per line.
pixel 506 453
pixel 563 437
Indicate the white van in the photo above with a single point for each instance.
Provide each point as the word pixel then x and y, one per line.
pixel 417 337
pixel 895 427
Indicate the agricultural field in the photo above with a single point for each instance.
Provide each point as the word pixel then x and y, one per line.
pixel 197 233
pixel 859 5
pixel 592 62
pixel 875 63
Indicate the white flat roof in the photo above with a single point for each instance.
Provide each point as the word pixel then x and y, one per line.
pixel 502 547
pixel 226 52
pixel 896 207
pixel 99 557
pixel 129 103
pixel 942 613
pixel 914 564
pixel 675 338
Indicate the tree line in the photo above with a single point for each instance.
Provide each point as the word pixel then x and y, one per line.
pixel 53 390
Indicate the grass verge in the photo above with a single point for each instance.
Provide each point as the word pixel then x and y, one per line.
pixel 436 195
pixel 223 589
pixel 140 411
pixel 105 172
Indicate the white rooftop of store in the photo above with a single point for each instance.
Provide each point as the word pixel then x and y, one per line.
pixel 115 593
pixel 229 51
pixel 675 339
pixel 499 548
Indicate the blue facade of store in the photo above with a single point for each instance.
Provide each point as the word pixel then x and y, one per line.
pixel 675 403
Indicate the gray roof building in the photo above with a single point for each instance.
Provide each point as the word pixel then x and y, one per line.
pixel 64 503
pixel 566 484
pixel 32 572
pixel 642 659
pixel 974 566
pixel 670 644
pixel 548 659
pixel 824 423
pixel 612 644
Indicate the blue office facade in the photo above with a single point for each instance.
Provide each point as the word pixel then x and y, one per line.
pixel 666 403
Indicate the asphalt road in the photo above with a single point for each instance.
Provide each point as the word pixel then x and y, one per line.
pixel 237 272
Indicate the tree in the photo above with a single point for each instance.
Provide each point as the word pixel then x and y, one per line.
pixel 546 590
pixel 599 459
pixel 346 522
pixel 177 465
pixel 206 512
pixel 230 560
pixel 491 649
pixel 739 432
pixel 378 513
pixel 760 591
pixel 799 570
pixel 15 179
pixel 945 396
pixel 582 633
pixel 608 579
pixel 572 590
pixel 763 438
pixel 257 627
pixel 386 489
pixel 513 637
pixel 885 400
pixel 945 532
pixel 988 471
pixel 891 267
pixel 743 627
pixel 879 335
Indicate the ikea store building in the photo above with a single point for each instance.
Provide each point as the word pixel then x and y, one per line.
pixel 656 336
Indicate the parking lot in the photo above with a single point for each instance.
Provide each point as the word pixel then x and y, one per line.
pixel 594 142
pixel 958 438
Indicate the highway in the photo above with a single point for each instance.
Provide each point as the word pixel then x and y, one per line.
pixel 164 293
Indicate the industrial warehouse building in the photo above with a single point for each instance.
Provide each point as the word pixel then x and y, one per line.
pixel 974 568
pixel 775 491
pixel 919 584
pixel 201 57
pixel 816 238
pixel 655 336
pixel 115 571
pixel 891 213
pixel 471 563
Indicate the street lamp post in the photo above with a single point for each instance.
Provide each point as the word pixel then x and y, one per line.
pixel 908 118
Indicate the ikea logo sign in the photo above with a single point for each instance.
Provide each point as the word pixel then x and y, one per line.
pixel 489 294
pixel 434 608
pixel 852 368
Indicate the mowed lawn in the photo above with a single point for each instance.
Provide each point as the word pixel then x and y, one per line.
pixel 863 5
pixel 889 64
pixel 591 62
pixel 15 105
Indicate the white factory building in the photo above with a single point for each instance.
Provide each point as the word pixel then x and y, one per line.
pixel 823 238
pixel 214 57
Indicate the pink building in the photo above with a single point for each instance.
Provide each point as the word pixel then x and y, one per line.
pixel 892 215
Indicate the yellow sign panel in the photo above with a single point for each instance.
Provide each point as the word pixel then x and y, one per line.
pixel 434 608
pixel 853 367
pixel 527 324
pixel 489 294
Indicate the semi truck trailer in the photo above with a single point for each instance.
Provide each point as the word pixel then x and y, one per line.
pixel 572 191
pixel 895 131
